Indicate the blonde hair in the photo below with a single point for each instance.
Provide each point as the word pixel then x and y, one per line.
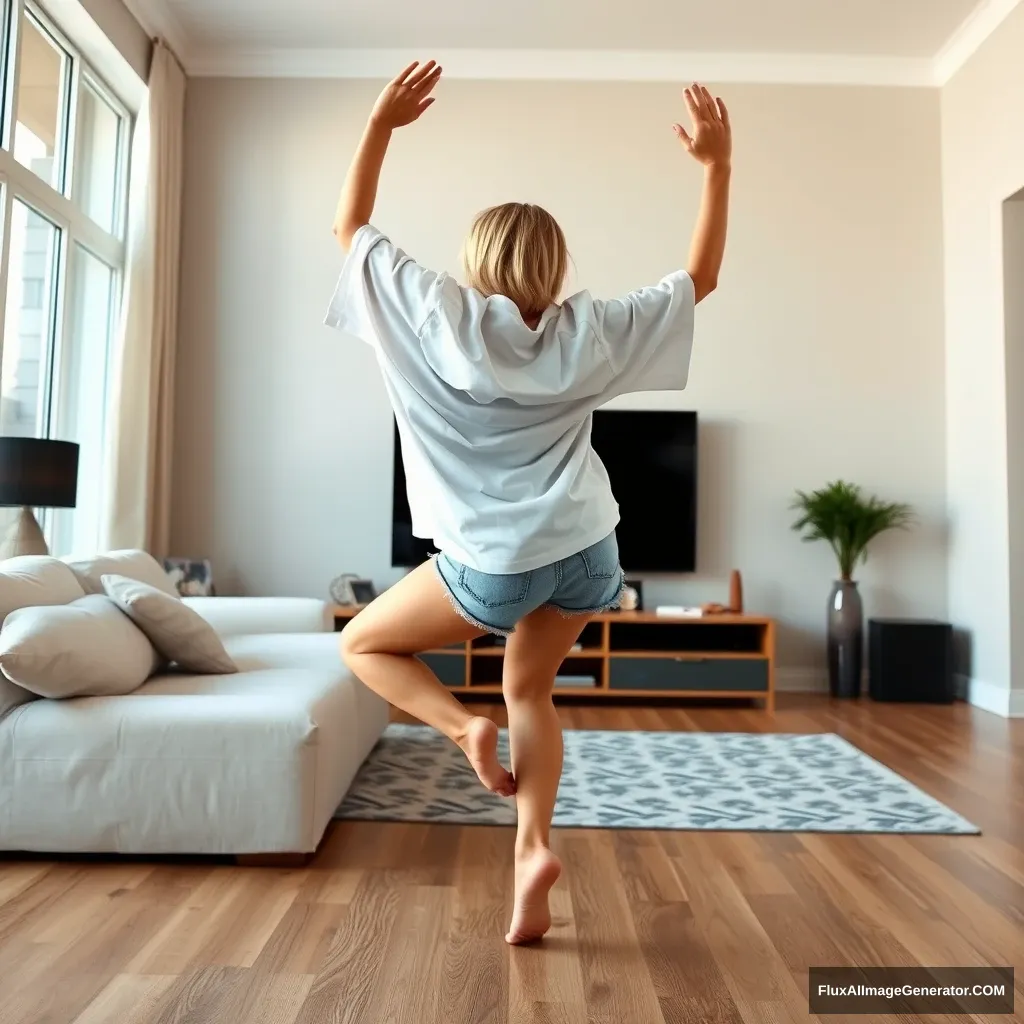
pixel 517 250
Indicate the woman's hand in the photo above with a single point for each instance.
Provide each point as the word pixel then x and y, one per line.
pixel 711 141
pixel 407 96
pixel 401 102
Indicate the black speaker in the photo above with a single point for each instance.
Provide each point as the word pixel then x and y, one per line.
pixel 910 660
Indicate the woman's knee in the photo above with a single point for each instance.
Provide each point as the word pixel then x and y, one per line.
pixel 354 642
pixel 526 688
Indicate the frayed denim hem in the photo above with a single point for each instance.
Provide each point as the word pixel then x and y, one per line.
pixel 571 613
pixel 457 605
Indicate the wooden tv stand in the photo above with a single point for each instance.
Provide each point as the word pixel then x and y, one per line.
pixel 633 654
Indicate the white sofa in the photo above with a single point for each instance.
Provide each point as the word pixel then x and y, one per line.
pixel 253 763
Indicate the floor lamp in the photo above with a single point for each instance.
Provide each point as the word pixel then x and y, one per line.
pixel 35 473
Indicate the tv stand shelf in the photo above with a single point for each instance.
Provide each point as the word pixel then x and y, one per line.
pixel 635 655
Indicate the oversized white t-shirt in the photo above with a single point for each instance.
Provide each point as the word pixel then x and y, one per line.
pixel 495 416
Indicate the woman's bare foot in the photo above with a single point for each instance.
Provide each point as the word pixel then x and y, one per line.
pixel 480 745
pixel 536 873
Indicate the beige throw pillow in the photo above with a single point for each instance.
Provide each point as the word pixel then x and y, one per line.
pixel 88 648
pixel 135 565
pixel 31 581
pixel 180 634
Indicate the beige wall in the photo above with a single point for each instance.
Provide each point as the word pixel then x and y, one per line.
pixel 820 357
pixel 1013 291
pixel 982 165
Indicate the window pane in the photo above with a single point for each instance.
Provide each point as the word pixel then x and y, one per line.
pixel 28 325
pixel 96 165
pixel 39 105
pixel 83 402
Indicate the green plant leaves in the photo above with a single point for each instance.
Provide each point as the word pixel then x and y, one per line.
pixel 841 515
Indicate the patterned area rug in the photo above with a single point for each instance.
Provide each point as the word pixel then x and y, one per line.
pixel 659 780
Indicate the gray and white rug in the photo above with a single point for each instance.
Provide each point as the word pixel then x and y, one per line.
pixel 659 780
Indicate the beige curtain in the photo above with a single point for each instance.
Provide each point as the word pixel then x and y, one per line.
pixel 141 438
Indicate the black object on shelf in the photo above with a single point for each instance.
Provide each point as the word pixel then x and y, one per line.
pixel 910 660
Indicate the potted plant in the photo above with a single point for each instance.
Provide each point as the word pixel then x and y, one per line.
pixel 841 515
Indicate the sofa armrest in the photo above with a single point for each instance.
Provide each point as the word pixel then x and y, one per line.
pixel 248 616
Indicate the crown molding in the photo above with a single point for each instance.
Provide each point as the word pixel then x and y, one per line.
pixel 573 65
pixel 966 40
pixel 158 18
pixel 159 21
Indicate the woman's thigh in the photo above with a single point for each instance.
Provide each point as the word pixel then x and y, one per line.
pixel 414 615
pixel 536 650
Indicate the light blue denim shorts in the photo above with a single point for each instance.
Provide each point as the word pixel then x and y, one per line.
pixel 585 583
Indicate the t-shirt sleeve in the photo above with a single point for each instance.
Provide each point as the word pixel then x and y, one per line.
pixel 383 296
pixel 648 335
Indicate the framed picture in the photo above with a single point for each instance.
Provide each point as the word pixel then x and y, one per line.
pixel 193 577
pixel 349 589
pixel 363 591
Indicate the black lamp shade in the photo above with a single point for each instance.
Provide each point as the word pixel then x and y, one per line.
pixel 35 473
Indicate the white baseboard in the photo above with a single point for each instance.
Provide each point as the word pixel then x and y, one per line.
pixel 999 700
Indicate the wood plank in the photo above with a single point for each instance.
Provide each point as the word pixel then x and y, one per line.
pixel 342 989
pixel 754 972
pixel 614 970
pixel 128 999
pixel 408 983
pixel 406 921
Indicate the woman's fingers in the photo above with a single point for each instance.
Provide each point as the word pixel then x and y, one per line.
pixel 401 78
pixel 425 85
pixel 723 113
pixel 420 74
pixel 692 105
pixel 709 103
pixel 682 135
pixel 702 101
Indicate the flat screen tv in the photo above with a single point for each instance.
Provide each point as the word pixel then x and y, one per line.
pixel 651 458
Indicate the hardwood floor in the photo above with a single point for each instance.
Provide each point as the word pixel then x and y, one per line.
pixel 404 923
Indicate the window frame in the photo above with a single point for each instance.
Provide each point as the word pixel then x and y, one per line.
pixel 60 205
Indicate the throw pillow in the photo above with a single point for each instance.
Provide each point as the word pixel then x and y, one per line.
pixel 136 565
pixel 34 580
pixel 88 648
pixel 180 634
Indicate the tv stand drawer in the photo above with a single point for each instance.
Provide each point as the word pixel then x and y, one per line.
pixel 684 674
pixel 449 668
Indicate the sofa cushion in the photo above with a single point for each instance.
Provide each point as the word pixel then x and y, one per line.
pixel 136 565
pixel 32 581
pixel 255 762
pixel 181 635
pixel 86 648
pixel 12 696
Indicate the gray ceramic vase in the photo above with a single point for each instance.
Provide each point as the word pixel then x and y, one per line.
pixel 845 639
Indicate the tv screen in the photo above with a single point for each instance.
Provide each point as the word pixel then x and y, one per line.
pixel 651 458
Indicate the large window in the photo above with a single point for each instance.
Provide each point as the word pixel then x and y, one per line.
pixel 63 199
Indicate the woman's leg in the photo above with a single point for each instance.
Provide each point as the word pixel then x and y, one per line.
pixel 532 658
pixel 380 645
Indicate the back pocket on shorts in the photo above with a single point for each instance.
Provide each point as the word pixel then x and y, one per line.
pixel 492 591
pixel 602 559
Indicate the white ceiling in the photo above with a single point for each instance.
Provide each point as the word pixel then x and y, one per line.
pixel 904 28
pixel 902 41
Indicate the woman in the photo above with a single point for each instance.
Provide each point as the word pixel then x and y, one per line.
pixel 493 387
